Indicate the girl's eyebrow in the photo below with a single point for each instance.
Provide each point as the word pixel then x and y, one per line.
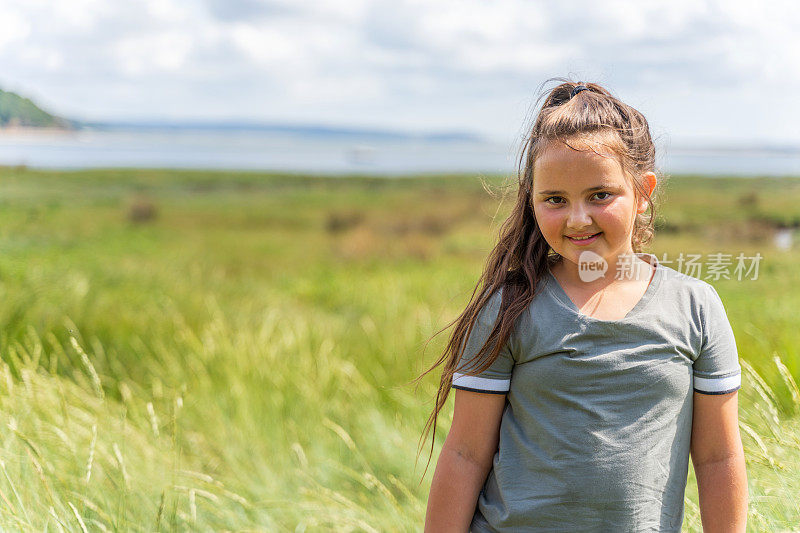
pixel 590 189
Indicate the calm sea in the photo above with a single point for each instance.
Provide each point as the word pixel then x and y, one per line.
pixel 253 150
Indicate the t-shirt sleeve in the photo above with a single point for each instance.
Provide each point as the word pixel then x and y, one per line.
pixel 497 378
pixel 716 369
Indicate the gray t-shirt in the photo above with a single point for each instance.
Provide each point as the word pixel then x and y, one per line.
pixel 597 424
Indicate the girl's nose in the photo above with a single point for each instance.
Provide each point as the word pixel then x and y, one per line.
pixel 578 218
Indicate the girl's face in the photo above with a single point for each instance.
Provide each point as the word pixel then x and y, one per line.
pixel 581 193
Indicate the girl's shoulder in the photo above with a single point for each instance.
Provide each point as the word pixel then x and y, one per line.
pixel 685 290
pixel 677 279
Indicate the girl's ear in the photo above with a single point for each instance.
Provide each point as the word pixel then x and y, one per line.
pixel 649 181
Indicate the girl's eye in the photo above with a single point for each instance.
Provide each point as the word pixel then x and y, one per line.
pixel 606 196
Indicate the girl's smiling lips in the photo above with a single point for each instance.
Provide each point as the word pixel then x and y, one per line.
pixel 580 242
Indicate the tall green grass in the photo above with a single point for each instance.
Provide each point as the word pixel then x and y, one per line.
pixel 240 356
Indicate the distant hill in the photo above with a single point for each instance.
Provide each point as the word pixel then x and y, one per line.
pixel 19 112
pixel 300 130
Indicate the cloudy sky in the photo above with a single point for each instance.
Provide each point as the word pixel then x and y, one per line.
pixel 700 71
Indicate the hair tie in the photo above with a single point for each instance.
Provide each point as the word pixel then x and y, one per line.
pixel 577 89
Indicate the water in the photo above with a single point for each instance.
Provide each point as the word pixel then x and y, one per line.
pixel 254 150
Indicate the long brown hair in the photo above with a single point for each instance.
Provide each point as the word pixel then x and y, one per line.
pixel 519 259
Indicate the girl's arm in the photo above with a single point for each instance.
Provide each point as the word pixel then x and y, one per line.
pixel 718 460
pixel 465 461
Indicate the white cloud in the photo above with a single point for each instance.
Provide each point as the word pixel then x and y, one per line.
pixel 166 51
pixel 409 63
pixel 14 27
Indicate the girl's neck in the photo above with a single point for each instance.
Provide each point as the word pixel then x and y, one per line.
pixel 568 273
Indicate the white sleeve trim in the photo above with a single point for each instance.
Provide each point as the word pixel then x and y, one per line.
pixel 725 384
pixel 479 383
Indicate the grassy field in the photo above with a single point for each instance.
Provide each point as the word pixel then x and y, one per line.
pixel 233 351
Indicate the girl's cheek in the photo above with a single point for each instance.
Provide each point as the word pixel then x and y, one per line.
pixel 616 209
pixel 548 219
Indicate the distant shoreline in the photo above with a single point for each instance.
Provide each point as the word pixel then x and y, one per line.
pixel 338 152
pixel 8 131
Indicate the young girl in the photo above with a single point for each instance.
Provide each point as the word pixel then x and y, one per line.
pixel 586 371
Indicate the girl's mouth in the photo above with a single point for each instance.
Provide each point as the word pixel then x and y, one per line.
pixel 586 240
